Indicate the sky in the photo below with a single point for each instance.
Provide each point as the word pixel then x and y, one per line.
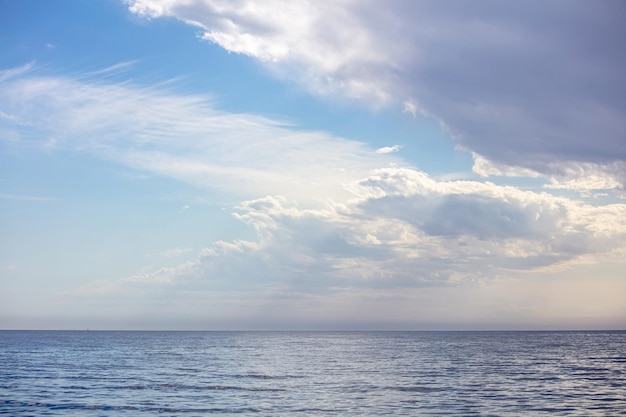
pixel 326 165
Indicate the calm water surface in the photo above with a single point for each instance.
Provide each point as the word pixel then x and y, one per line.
pixel 303 374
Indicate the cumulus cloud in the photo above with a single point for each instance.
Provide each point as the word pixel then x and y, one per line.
pixel 404 229
pixel 533 86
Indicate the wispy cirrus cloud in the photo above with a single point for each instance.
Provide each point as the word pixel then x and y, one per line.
pixel 6 74
pixel 152 129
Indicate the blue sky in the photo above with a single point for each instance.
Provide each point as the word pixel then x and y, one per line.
pixel 325 165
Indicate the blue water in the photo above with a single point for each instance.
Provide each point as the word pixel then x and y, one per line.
pixel 317 373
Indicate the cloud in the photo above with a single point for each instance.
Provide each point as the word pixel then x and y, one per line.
pixel 410 107
pixel 152 129
pixel 535 86
pixel 587 178
pixel 403 229
pixel 345 224
pixel 9 73
pixel 486 168
pixel 388 149
pixel 583 177
pixel 164 275
pixel 114 69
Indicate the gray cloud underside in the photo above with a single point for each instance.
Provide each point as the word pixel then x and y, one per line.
pixel 537 85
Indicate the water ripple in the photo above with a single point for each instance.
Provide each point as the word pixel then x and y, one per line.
pixel 308 374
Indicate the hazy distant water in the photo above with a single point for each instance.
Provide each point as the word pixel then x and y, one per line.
pixel 326 374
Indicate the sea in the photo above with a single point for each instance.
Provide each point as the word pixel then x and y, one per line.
pixel 179 373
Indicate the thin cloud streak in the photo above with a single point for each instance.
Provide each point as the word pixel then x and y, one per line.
pixel 20 197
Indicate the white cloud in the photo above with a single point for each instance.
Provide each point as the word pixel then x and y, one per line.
pixel 114 69
pixel 404 230
pixel 183 137
pixel 533 86
pixel 279 32
pixel 388 149
pixel 486 168
pixel 163 275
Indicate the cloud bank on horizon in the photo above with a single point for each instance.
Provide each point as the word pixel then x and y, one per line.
pixel 342 232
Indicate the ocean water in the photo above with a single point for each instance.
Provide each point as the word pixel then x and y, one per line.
pixel 89 373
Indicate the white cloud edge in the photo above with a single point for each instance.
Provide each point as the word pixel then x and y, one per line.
pixel 585 178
